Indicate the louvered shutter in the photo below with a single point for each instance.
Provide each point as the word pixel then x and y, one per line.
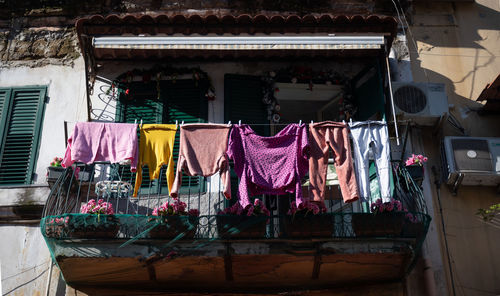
pixel 243 101
pixel 22 114
pixel 143 104
pixel 185 101
pixel 4 105
pixel 182 100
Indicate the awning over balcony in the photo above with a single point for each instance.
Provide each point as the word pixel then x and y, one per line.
pixel 179 35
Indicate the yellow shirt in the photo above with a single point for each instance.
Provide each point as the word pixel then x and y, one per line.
pixel 156 144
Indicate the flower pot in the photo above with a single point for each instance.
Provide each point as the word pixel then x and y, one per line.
pixel 307 226
pixel 235 226
pixel 417 173
pixel 54 229
pixel 83 226
pixel 53 173
pixel 93 226
pixel 380 224
pixel 171 226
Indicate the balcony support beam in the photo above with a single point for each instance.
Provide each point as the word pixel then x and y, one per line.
pixel 228 264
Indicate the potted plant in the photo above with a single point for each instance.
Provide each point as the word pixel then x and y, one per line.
pixel 55 170
pixel 385 219
pixel 56 227
pixel 307 220
pixel 172 220
pixel 239 222
pixel 415 167
pixel 96 220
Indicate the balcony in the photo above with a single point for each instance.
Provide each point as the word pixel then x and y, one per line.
pixel 133 251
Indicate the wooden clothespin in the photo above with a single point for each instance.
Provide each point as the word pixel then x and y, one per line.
pixel 300 122
pixel 176 124
pixel 239 122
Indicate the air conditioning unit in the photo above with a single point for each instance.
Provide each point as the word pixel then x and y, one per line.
pixel 472 161
pixel 423 103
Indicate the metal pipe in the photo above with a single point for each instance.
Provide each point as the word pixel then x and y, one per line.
pixel 47 287
pixel 392 100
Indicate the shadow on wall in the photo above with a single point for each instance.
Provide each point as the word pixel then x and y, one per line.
pixel 451 42
pixel 466 111
pixel 465 17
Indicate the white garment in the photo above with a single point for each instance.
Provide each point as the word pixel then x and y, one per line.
pixel 372 135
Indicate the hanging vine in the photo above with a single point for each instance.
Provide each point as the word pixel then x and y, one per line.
pixel 120 87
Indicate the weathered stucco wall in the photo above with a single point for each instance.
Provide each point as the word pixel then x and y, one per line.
pixel 457 44
pixel 66 102
pixel 25 260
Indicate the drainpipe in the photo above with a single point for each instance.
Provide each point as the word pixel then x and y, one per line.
pixel 393 63
pixel 47 288
pixel 430 284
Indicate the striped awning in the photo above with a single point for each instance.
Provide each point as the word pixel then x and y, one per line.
pixel 236 43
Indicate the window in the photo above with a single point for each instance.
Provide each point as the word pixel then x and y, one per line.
pixel 181 100
pixel 21 116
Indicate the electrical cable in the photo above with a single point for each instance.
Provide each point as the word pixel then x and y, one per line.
pixel 437 182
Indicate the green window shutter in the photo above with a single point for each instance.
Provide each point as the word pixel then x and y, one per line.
pixel 143 105
pixel 4 105
pixel 22 113
pixel 185 101
pixel 243 101
pixel 182 100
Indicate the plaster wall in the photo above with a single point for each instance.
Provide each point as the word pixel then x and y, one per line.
pixel 25 260
pixel 66 102
pixel 457 44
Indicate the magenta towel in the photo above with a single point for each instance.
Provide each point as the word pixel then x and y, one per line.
pixel 269 165
pixel 99 141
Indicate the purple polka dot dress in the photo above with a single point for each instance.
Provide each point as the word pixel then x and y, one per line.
pixel 269 165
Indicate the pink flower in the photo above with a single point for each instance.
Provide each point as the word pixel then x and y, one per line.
pixel 389 207
pixel 416 159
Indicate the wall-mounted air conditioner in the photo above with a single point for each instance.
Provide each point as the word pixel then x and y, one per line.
pixel 423 103
pixel 472 161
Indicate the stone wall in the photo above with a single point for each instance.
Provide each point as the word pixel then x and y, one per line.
pixel 39 47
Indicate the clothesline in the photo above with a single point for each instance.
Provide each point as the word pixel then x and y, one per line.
pixel 215 144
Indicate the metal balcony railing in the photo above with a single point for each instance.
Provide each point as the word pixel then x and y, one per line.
pixel 133 217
